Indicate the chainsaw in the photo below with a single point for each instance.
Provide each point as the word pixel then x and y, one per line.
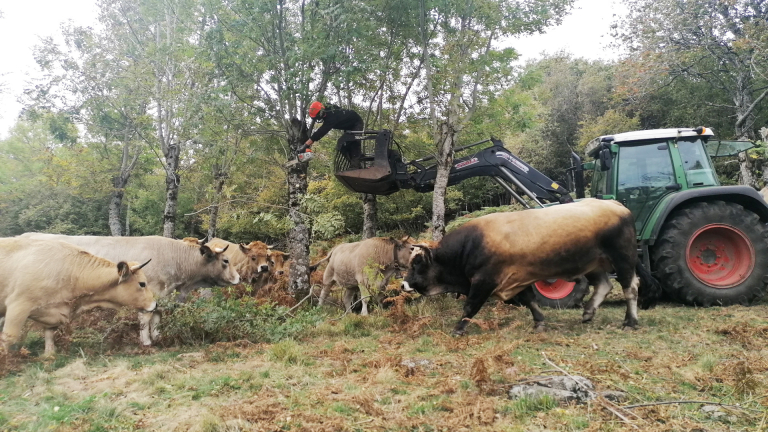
pixel 301 158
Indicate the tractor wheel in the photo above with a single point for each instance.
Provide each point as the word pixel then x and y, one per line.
pixel 560 294
pixel 712 253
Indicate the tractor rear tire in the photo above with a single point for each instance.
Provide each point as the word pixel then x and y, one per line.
pixel 712 253
pixel 558 296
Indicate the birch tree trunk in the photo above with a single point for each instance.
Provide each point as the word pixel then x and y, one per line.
pixel 219 179
pixel 369 216
pixel 444 163
pixel 120 181
pixel 298 236
pixel 745 119
pixel 172 181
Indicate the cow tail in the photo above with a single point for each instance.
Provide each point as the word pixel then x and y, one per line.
pixel 649 292
pixel 314 266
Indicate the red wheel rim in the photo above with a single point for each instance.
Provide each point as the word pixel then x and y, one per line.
pixel 556 289
pixel 720 255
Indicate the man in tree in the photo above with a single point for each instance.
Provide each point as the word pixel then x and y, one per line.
pixel 334 117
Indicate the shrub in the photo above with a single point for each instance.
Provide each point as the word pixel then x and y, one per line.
pixel 221 319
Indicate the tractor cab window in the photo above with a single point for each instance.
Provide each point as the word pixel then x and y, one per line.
pixel 698 170
pixel 645 171
pixel 601 181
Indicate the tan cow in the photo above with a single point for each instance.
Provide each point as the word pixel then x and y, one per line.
pixel 49 281
pixel 249 260
pixel 764 193
pixel 176 266
pixel 363 265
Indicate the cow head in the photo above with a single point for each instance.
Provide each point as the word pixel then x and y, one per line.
pixel 131 288
pixel 403 251
pixel 278 262
pixel 217 266
pixel 420 276
pixel 256 262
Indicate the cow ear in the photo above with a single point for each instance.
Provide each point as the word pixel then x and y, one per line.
pixel 205 250
pixel 123 270
pixel 286 255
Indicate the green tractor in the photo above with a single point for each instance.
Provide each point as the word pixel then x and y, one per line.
pixel 707 244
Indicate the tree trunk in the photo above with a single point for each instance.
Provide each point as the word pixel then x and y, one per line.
pixel 743 101
pixel 444 164
pixel 172 181
pixel 298 236
pixel 219 179
pixel 115 227
pixel 369 216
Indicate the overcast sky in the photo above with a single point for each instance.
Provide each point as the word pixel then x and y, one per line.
pixel 584 33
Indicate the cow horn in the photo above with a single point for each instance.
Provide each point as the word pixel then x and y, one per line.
pixel 137 267
pixel 220 250
pixel 272 246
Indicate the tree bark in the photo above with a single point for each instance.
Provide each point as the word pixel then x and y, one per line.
pixel 119 182
pixel 369 216
pixel 298 236
pixel 172 181
pixel 744 112
pixel 444 162
pixel 219 179
pixel 115 227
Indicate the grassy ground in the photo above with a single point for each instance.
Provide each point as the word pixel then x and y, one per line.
pixel 348 374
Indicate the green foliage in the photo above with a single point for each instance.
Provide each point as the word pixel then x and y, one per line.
pixel 220 319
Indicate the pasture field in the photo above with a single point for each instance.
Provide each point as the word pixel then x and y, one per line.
pixel 400 370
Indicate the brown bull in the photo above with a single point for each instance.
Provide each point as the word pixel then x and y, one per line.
pixel 176 266
pixel 502 254
pixel 49 281
pixel 363 265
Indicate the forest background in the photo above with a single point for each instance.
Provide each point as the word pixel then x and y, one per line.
pixel 174 117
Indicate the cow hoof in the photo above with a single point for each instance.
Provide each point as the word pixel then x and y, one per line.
pixel 539 328
pixel 458 333
pixel 629 327
pixel 587 317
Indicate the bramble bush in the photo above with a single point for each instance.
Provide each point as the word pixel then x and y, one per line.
pixel 219 319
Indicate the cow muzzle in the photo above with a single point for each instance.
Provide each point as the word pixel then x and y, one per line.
pixel 151 308
pixel 264 269
pixel 405 287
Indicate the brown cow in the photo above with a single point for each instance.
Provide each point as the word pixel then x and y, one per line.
pixel 49 281
pixel 251 260
pixel 502 254
pixel 176 266
pixel 363 265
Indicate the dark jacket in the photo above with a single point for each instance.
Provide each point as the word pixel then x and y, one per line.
pixel 338 118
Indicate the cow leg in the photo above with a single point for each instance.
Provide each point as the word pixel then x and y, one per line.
pixel 144 319
pixel 630 295
pixel 14 322
pixel 528 299
pixel 365 296
pixel 479 293
pixel 324 294
pixel 50 348
pixel 603 286
pixel 349 298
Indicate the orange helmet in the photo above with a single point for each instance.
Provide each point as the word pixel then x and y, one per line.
pixel 315 108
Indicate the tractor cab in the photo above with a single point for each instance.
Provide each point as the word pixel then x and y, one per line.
pixel 641 168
